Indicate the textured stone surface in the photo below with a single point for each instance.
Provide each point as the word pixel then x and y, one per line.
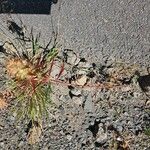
pixel 98 29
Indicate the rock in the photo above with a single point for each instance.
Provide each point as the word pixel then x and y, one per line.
pixel 120 128
pixel 9 48
pixel 2 144
pixel 45 148
pixel 56 69
pixel 88 104
pixel 1 43
pixel 101 137
pixel 83 68
pixel 75 92
pixel 69 137
pixel 82 80
pixel 136 94
pixel 84 64
pixel 126 88
pixel 77 101
pixel 21 144
pixel 12 118
pixel 71 57
pixel 82 71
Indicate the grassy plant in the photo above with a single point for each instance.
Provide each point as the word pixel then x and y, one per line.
pixel 31 87
pixel 147 131
pixel 30 81
pixel 29 71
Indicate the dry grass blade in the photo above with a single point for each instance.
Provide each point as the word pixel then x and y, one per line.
pixel 34 132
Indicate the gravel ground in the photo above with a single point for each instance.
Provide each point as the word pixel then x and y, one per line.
pixel 98 29
pixel 90 118
pixel 102 32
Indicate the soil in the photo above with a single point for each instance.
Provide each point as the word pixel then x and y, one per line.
pixel 110 40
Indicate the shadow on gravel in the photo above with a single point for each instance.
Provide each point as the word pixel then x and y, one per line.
pixel 26 6
pixel 144 82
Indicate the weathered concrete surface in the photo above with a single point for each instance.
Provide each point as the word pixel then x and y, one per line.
pixel 99 29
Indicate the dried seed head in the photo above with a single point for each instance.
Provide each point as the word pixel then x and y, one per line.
pixel 3 103
pixel 19 69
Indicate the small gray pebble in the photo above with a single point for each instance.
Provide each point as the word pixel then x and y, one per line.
pixel 75 92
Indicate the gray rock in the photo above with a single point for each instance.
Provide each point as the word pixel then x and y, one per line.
pixel 1 43
pixel 69 137
pixel 75 92
pixel 101 136
pixel 56 70
pixel 71 57
pixel 78 101
pixel 88 104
